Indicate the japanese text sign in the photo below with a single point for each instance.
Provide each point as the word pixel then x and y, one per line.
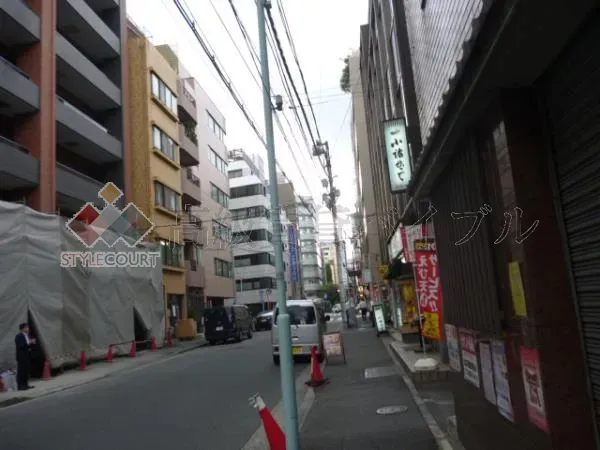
pixel 429 290
pixel 468 348
pixel 534 392
pixel 396 145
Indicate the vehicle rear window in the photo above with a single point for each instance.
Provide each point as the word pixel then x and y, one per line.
pixel 222 313
pixel 300 315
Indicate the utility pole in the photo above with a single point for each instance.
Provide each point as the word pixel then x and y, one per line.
pixel 330 199
pixel 288 383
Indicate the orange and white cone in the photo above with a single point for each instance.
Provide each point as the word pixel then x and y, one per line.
pixel 47 374
pixel 275 434
pixel 316 375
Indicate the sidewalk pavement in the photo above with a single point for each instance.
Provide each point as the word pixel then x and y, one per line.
pixel 345 411
pixel 98 370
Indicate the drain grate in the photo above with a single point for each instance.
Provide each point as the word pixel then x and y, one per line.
pixel 13 401
pixel 389 410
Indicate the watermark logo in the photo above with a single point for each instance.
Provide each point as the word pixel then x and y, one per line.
pixel 110 225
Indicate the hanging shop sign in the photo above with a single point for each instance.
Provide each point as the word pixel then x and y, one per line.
pixel 398 156
pixel 453 347
pixel 409 235
pixel 429 289
pixel 487 372
pixel 503 400
pixel 469 356
pixel 294 254
pixel 534 392
pixel 395 245
pixel 516 289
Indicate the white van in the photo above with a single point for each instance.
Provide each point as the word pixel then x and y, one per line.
pixel 308 323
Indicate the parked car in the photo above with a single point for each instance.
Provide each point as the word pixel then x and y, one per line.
pixel 264 321
pixel 223 323
pixel 308 324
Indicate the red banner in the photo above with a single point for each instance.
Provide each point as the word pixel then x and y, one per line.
pixel 429 290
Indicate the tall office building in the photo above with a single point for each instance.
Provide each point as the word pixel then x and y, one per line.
pixel 157 161
pixel 312 264
pixel 191 187
pixel 288 201
pixel 254 254
pixel 63 102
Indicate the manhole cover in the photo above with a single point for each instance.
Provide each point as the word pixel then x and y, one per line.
pixel 389 410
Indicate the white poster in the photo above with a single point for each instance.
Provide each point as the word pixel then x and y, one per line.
pixel 487 372
pixel 501 380
pixel 453 347
pixel 469 357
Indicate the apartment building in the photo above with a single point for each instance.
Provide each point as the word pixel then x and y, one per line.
pixel 330 258
pixel 63 102
pixel 157 161
pixel 368 240
pixel 253 251
pixel 311 262
pixel 214 213
pixel 194 238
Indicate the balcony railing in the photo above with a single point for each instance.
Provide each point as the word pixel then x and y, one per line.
pixel 191 135
pixel 187 94
pixel 6 62
pixel 15 145
pixel 82 114
pixel 193 219
pixel 190 175
pixel 79 174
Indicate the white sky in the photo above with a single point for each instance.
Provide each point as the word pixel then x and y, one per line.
pixel 324 32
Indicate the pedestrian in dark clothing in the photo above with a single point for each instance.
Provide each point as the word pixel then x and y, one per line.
pixel 23 345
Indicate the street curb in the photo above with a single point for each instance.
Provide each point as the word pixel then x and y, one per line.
pixel 441 438
pixel 258 440
pixel 15 401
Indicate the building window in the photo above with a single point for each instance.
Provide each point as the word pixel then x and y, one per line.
pixel 235 173
pixel 220 231
pixel 255 283
pixel 255 260
pixel 215 127
pixel 171 253
pixel 246 191
pixel 223 268
pixel 217 161
pixel 163 93
pixel 253 211
pixel 161 141
pixel 241 237
pixel 166 197
pixel 219 196
pixel 192 251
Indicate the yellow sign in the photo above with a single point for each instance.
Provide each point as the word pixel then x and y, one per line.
pixel 383 270
pixel 431 326
pixel 517 290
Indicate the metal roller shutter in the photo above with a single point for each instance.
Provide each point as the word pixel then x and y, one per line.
pixel 572 98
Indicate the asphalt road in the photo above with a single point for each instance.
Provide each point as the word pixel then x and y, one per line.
pixel 196 401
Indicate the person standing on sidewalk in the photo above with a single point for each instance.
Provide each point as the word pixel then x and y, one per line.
pixel 23 345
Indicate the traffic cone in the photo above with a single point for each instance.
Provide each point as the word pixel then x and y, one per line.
pixel 2 387
pixel 316 376
pixel 110 356
pixel 46 374
pixel 273 431
pixel 169 339
pixel 133 351
pixel 83 361
pixel 153 346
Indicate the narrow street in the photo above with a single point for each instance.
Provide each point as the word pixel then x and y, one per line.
pixel 198 400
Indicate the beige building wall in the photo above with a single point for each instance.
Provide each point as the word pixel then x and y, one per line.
pixel 366 195
pixel 218 287
pixel 149 164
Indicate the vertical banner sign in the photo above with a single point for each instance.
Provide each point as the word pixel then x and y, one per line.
pixel 429 289
pixel 398 157
pixel 410 235
pixel 501 380
pixel 469 356
pixel 487 372
pixel 453 347
pixel 293 252
pixel 534 393
pixel 516 289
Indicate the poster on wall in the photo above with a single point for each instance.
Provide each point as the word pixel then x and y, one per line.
pixel 487 372
pixel 503 400
pixel 429 288
pixel 453 347
pixel 469 357
pixel 534 392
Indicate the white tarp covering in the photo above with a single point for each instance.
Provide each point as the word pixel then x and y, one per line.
pixel 73 309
